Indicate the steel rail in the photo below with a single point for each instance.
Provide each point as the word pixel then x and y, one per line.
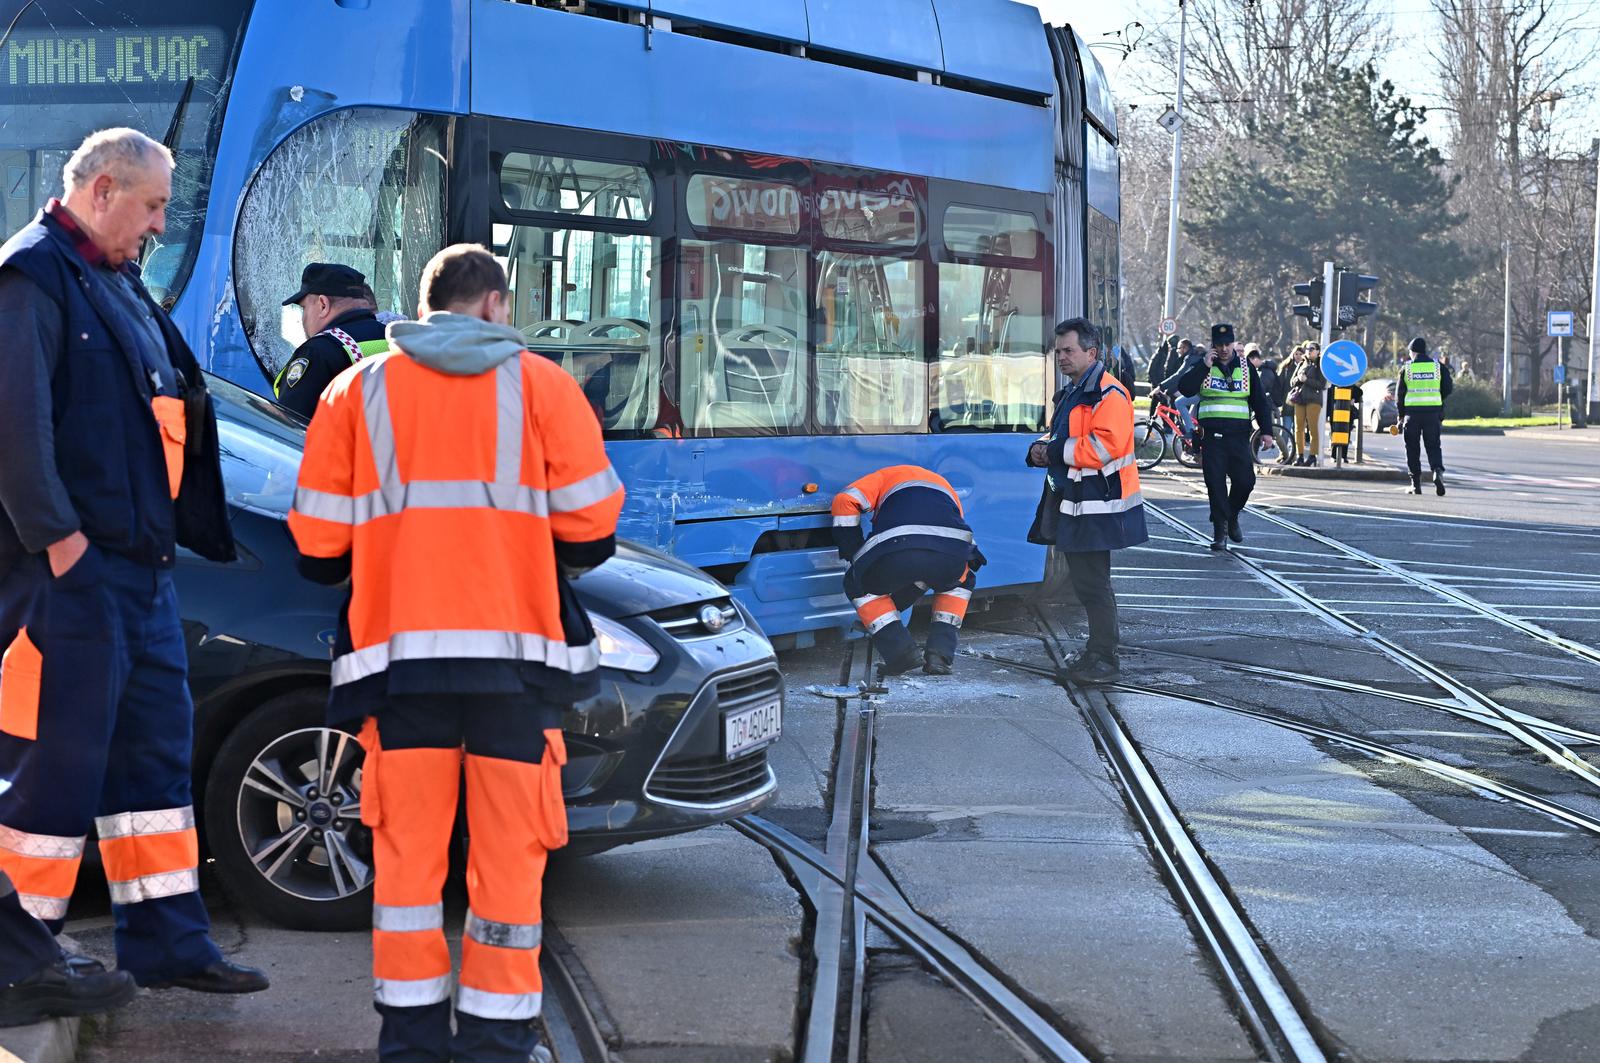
pixel 1495 714
pixel 1267 1010
pixel 572 1031
pixel 1428 583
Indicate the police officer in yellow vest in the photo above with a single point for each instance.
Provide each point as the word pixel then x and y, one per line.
pixel 1424 384
pixel 1230 392
pixel 341 327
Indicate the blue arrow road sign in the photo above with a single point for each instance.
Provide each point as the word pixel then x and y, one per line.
pixel 1561 374
pixel 1344 362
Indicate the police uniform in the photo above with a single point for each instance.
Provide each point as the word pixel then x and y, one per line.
pixel 920 542
pixel 1230 392
pixel 1424 383
pixel 348 338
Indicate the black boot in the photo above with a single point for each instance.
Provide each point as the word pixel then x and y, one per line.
pixel 1219 533
pixel 59 990
pixel 1416 483
pixel 1233 530
pixel 935 663
pixel 1438 482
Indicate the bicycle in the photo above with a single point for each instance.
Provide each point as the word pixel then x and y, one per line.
pixel 1152 440
pixel 1279 449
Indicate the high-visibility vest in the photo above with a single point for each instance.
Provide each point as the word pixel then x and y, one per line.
pixel 1422 383
pixel 357 350
pixel 1225 394
pixel 451 495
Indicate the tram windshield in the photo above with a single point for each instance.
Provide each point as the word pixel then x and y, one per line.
pixel 163 67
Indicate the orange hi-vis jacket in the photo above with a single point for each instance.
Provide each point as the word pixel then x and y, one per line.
pixel 909 506
pixel 454 497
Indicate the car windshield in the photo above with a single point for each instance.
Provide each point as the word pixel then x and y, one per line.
pixel 71 67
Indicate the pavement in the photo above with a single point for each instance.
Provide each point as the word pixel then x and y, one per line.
pixel 1412 919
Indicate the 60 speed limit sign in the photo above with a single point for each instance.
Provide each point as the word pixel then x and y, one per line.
pixel 1169 326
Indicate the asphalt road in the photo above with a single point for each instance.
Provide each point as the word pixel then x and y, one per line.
pixel 1406 914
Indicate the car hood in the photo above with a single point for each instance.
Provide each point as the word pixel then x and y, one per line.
pixel 261 446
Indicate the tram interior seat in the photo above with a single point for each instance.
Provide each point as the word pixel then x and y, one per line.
pixel 607 357
pixel 756 381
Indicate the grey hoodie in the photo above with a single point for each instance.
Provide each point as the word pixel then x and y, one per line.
pixel 456 343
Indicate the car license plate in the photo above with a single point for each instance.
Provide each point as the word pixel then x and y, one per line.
pixel 752 728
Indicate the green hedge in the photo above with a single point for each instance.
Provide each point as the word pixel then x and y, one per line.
pixel 1472 398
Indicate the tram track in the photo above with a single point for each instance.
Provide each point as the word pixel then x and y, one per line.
pixel 1491 712
pixel 575 1029
pixel 848 890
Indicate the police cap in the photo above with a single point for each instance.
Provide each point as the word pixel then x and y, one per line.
pixel 329 278
pixel 1221 335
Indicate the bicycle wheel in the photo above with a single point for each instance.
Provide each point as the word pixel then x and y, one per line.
pixel 1277 449
pixel 1187 453
pixel 1149 445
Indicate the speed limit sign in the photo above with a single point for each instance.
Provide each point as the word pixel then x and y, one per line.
pixel 1169 326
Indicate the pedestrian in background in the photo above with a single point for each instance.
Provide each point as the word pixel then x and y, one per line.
pixel 457 482
pixel 1424 385
pixel 110 463
pixel 1091 503
pixel 1305 395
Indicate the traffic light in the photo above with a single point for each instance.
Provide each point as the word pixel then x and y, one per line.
pixel 1352 307
pixel 1311 310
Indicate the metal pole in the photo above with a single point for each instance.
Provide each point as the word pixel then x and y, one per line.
pixel 1330 303
pixel 1561 392
pixel 1593 386
pixel 1177 170
pixel 1505 350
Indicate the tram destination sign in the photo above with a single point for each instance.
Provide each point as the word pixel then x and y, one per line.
pixel 99 63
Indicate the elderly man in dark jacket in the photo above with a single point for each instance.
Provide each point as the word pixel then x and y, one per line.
pixel 111 462
pixel 1092 504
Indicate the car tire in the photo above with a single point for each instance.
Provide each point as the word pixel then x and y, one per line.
pixel 324 879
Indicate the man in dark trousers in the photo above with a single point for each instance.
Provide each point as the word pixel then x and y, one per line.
pixel 1230 391
pixel 111 462
pixel 342 327
pixel 1424 385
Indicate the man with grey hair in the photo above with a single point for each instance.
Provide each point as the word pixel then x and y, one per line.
pixel 111 462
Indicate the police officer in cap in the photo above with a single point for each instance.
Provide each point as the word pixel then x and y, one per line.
pixel 1425 383
pixel 1230 392
pixel 341 326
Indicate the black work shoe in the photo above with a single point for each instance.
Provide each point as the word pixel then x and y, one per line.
pixel 78 963
pixel 1416 484
pixel 1233 530
pixel 58 990
pixel 1438 482
pixel 898 665
pixel 1095 669
pixel 935 664
pixel 1219 532
pixel 220 977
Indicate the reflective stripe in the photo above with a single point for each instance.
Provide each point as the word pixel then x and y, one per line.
pixel 586 492
pixel 1101 451
pixel 41 907
pixel 509 422
pixel 941 617
pixel 1216 408
pixel 882 622
pixel 1110 505
pixel 380 430
pixel 411 993
pixel 959 592
pixel 504 935
pixel 128 824
pixel 855 493
pixel 154 887
pixel 487 1005
pixel 484 645
pixel 903 484
pixel 864 600
pixel 43 846
pixel 407 919
pixel 938 531
pixel 1115 465
pixel 323 505
pixel 847 522
pixel 447 494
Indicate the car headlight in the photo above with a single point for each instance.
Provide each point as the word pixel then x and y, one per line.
pixel 622 649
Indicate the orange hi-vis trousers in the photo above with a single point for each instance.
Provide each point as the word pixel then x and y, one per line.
pixel 415 756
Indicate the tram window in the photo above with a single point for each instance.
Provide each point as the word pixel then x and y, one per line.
pixel 991 374
pixel 871 376
pixel 587 301
pixel 885 213
pixel 363 187
pixel 743 327
pixel 740 204
pixel 983 231
pixel 552 184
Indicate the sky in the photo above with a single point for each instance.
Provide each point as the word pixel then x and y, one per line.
pixel 1408 64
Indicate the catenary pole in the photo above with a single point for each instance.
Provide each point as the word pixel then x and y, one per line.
pixel 1169 305
pixel 1593 386
pixel 1505 348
